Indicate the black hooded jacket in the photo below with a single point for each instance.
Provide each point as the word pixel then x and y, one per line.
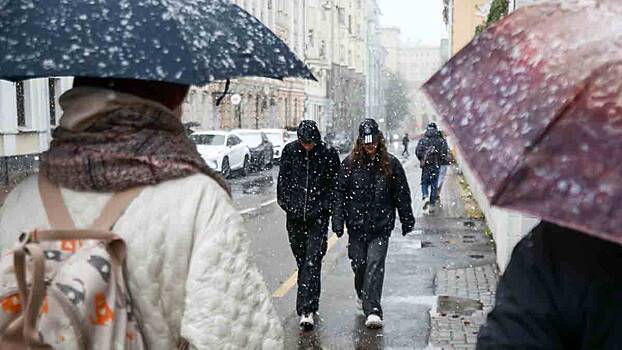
pixel 306 179
pixel 366 199
pixel 561 290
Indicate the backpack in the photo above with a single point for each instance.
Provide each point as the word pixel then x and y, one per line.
pixel 65 288
pixel 431 157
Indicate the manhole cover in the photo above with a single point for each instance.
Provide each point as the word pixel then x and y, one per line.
pixel 458 306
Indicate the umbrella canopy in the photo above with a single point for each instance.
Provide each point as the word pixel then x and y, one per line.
pixel 190 42
pixel 535 104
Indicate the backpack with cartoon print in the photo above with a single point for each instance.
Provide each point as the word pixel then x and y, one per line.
pixel 64 288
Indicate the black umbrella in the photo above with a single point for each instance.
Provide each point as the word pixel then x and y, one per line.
pixel 190 42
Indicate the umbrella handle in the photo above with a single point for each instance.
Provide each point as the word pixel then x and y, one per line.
pixel 219 101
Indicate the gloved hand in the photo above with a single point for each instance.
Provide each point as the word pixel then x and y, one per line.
pixel 338 229
pixel 407 230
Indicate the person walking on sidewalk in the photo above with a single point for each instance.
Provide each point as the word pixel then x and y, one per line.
pixel 431 150
pixel 372 184
pixel 405 142
pixel 189 269
pixel 306 179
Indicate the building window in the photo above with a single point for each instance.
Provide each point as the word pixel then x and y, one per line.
pixel 342 16
pixel 323 49
pixel 52 88
pixel 311 38
pixel 19 97
pixel 269 4
pixel 295 112
pixel 350 24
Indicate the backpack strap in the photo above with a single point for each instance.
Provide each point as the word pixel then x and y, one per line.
pixel 59 216
pixel 115 208
pixel 55 208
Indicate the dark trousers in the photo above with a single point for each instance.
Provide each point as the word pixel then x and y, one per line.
pixel 405 151
pixel 308 240
pixel 367 260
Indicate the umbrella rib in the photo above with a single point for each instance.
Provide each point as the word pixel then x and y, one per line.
pixel 580 90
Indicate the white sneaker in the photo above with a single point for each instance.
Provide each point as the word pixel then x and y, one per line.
pixel 373 321
pixel 306 322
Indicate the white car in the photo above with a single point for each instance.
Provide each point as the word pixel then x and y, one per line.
pixel 291 136
pixel 223 151
pixel 279 138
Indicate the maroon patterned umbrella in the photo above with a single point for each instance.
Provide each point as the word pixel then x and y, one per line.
pixel 535 105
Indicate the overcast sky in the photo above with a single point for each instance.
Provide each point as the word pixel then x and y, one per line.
pixel 420 20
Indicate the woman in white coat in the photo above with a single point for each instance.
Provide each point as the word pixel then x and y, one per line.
pixel 189 266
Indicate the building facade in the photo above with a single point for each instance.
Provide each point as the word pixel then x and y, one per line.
pixel 29 111
pixel 391 39
pixel 462 18
pixel 317 57
pixel 417 65
pixel 375 74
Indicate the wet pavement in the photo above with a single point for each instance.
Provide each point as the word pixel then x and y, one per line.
pixel 419 267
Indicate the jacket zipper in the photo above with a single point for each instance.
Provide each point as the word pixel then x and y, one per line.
pixel 306 190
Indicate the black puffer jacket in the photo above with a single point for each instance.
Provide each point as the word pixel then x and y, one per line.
pixel 366 199
pixel 561 290
pixel 306 180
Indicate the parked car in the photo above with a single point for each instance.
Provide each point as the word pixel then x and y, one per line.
pixel 223 151
pixel 292 136
pixel 260 147
pixel 279 139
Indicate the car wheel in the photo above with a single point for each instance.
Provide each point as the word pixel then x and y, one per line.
pixel 226 168
pixel 245 166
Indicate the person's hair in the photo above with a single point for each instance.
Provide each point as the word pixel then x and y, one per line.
pixel 170 95
pixel 359 156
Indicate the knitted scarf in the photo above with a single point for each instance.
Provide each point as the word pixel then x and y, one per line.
pixel 109 142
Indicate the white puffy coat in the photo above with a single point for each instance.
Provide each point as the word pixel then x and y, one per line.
pixel 190 270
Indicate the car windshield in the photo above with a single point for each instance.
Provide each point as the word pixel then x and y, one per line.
pixel 209 140
pixel 252 140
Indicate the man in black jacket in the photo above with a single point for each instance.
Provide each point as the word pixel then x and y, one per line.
pixel 372 185
pixel 432 152
pixel 306 178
